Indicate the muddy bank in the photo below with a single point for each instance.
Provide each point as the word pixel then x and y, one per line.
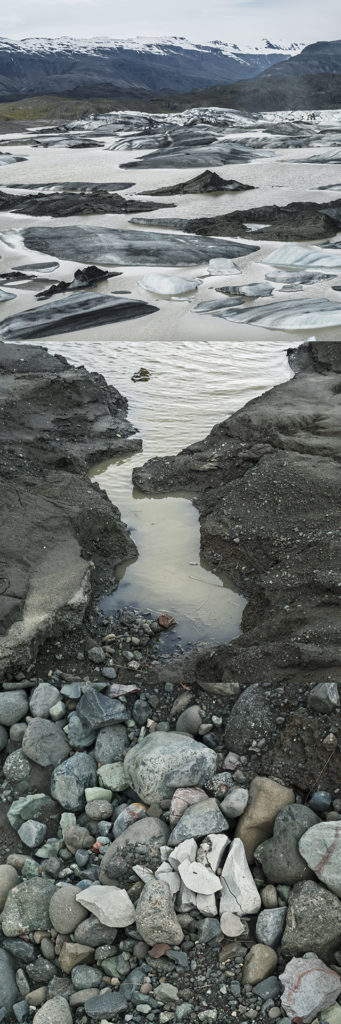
pixel 60 535
pixel 267 487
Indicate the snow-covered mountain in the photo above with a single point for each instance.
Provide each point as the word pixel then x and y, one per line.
pixel 101 67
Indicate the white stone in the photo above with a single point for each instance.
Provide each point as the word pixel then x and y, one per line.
pixel 162 284
pixel 207 905
pixel 231 925
pixel 111 906
pixel 240 894
pixel 212 849
pixel 185 851
pixel 186 899
pixel 198 878
pixel 165 851
pixel 172 879
pixel 145 874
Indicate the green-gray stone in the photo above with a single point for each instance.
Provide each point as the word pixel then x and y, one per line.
pixel 113 776
pixel 26 807
pixel 27 907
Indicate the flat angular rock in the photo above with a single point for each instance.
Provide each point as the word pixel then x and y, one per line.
pixel 280 856
pixel 44 743
pixel 309 988
pixel 73 314
pixel 166 760
pixel 92 933
pixel 70 780
pixel 266 799
pixel 80 736
pixel 27 807
pixel 235 802
pixel 96 711
pixel 73 953
pixel 106 1006
pixel 198 820
pixel 111 906
pixel 212 849
pixel 324 698
pixel 239 894
pixel 198 878
pixel 320 847
pixel 155 916
pixel 113 247
pixel 313 923
pixel 32 833
pixel 187 850
pixel 27 907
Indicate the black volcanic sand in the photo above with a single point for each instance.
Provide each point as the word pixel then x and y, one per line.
pixel 64 204
pixel 113 247
pixel 57 528
pixel 267 485
pixel 296 222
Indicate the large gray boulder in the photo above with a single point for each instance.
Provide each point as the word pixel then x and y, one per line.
pixel 313 922
pixel 165 760
pixel 111 744
pixel 280 856
pixel 70 780
pixel 202 819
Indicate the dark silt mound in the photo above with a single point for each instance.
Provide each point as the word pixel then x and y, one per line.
pixel 203 183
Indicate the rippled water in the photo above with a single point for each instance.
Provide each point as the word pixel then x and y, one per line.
pixel 201 370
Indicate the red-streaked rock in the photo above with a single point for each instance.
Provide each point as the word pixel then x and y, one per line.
pixel 309 988
pixel 183 798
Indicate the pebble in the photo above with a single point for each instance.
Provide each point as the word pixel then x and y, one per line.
pixel 155 916
pixel 32 833
pixel 43 698
pixel 198 878
pixel 259 963
pixel 113 776
pixel 16 767
pixel 73 953
pixel 54 1011
pixel 105 1005
pixel 190 720
pixel 13 707
pixel 235 802
pixel 65 913
pixel 269 897
pixel 270 926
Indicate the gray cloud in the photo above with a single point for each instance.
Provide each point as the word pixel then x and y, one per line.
pixel 231 20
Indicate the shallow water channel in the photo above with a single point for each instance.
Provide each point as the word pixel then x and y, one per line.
pixel 201 370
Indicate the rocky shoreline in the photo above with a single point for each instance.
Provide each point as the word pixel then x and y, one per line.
pixel 169 817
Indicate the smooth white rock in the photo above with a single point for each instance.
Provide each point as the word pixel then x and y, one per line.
pixel 198 878
pixel 185 851
pixel 185 899
pixel 207 905
pixel 239 892
pixel 231 925
pixel 111 906
pixel 162 284
pixel 172 879
pixel 145 874
pixel 212 849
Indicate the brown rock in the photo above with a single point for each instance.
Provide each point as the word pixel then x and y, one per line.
pixel 259 963
pixel 37 996
pixel 77 838
pixel 72 954
pixel 267 798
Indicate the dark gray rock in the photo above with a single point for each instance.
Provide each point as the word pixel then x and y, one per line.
pixel 279 856
pixel 324 698
pixel 250 720
pixel 131 248
pixel 199 819
pixel 45 743
pixel 16 767
pixel 83 976
pixel 313 923
pixel 108 1006
pixel 270 926
pixel 92 933
pixel 80 735
pixel 71 778
pixel 139 844
pixel 96 711
pixel 268 989
pixel 32 833
pixel 65 913
pixel 112 744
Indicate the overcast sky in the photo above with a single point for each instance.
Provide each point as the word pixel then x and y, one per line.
pixel 230 20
